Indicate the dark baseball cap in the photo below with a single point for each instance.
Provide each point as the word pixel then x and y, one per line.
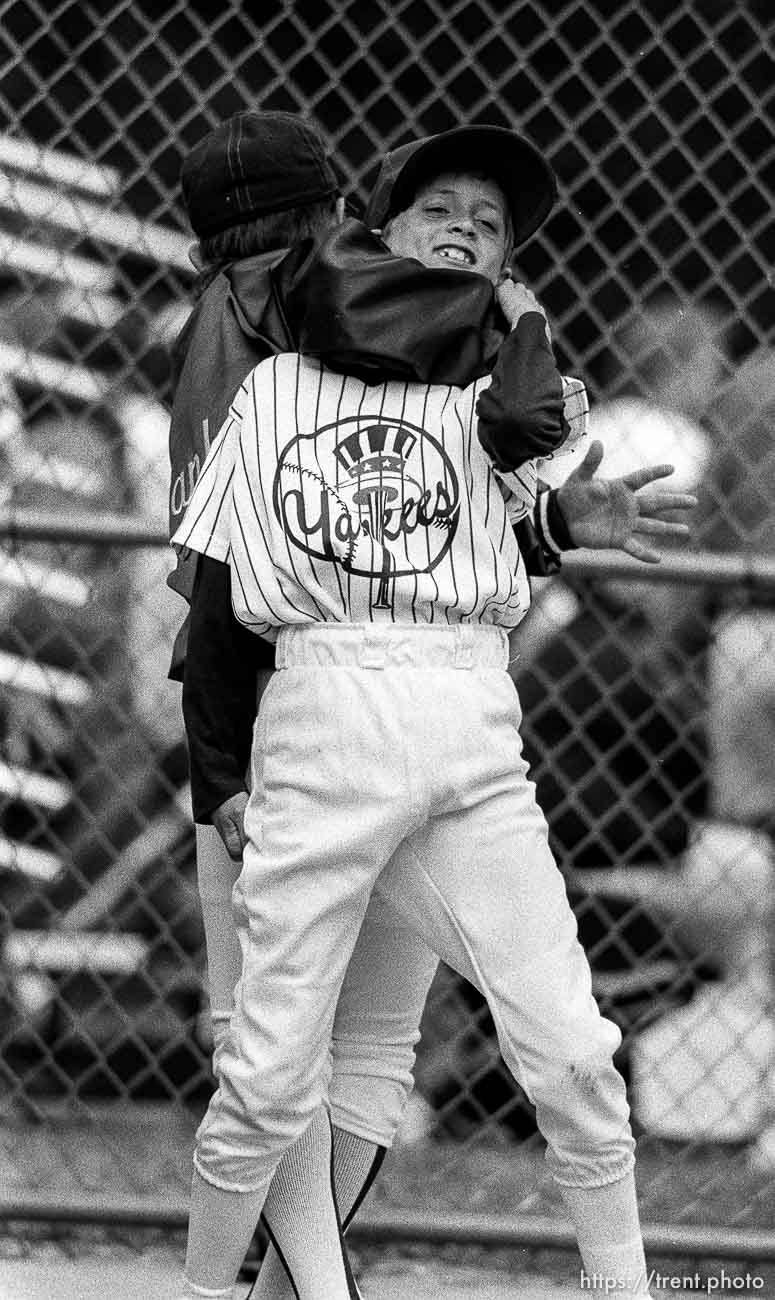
pixel 515 164
pixel 253 164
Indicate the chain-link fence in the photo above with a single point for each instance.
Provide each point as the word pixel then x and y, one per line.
pixel 649 706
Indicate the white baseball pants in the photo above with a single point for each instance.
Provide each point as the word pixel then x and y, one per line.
pixel 392 756
pixel 377 1021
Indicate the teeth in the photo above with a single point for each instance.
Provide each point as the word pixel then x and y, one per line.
pixel 456 255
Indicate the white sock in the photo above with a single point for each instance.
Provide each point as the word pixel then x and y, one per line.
pixel 357 1162
pixel 220 1229
pixel 307 1257
pixel 608 1235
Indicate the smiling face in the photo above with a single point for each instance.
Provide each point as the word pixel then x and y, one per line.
pixel 456 219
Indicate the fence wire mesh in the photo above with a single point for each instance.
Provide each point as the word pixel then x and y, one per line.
pixel 649 706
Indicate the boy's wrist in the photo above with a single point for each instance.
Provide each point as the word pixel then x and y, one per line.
pixel 552 525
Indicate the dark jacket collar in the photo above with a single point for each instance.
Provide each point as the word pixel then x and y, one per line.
pixel 350 302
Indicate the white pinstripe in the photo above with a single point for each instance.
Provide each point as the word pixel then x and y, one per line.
pixel 445 550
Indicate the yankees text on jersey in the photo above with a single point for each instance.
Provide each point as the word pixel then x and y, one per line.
pixel 339 501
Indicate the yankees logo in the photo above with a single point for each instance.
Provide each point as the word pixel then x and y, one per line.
pixel 380 497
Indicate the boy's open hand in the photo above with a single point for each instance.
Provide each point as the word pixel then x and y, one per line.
pixel 618 513
pixel 229 821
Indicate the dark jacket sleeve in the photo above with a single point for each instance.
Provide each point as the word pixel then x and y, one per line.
pixel 219 690
pixel 521 413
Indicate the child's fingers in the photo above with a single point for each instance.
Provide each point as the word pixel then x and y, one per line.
pixel 662 527
pixel 638 478
pixel 655 502
pixel 592 460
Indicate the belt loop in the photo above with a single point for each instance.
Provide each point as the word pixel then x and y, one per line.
pixel 372 652
pixel 464 647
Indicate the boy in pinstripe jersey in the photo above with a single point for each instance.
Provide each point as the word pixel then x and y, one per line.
pixel 245 173
pixel 237 185
pixel 329 536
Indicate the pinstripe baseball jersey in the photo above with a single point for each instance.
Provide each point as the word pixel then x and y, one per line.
pixel 337 500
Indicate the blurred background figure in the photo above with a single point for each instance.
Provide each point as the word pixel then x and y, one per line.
pixel 617 665
pixel 738 517
pixel 668 363
pixel 705 1072
pixel 665 365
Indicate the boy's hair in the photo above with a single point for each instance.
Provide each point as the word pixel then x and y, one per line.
pixel 258 181
pixel 274 230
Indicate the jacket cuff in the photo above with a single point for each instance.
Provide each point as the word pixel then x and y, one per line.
pixel 551 525
pixel 206 799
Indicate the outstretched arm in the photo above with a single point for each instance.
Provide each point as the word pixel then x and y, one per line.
pixel 621 513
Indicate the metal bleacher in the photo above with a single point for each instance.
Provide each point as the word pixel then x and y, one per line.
pixel 62 235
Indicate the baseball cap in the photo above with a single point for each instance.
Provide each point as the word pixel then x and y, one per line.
pixel 253 164
pixel 518 167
